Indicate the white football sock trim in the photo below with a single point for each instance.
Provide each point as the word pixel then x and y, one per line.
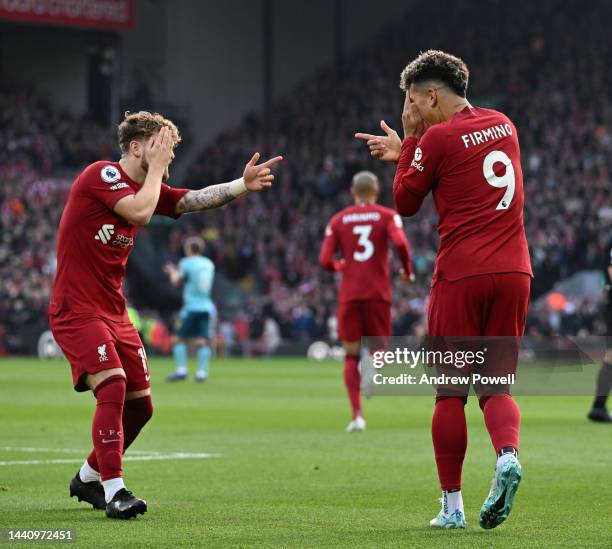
pixel 88 473
pixel 453 500
pixel 111 487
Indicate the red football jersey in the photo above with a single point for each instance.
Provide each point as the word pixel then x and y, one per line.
pixel 472 164
pixel 363 233
pixel 94 242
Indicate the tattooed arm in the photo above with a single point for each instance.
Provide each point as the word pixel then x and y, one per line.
pixel 256 177
pixel 205 199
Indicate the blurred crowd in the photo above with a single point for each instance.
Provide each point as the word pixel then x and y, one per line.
pixel 555 91
pixel 36 142
pixel 30 205
pixel 31 128
pixel 563 115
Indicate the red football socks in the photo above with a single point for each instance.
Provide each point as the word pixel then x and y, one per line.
pixel 449 434
pixel 503 420
pixel 352 380
pixel 106 429
pixel 136 413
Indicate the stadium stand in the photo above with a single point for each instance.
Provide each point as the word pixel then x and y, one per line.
pixel 553 91
pixel 564 125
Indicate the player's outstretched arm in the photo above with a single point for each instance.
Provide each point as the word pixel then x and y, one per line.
pixel 384 147
pixel 176 278
pixel 256 177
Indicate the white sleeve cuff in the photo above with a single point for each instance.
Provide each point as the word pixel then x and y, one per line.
pixel 237 187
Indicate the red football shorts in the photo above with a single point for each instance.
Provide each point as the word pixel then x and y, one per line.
pixel 482 305
pixel 491 305
pixel 361 318
pixel 93 344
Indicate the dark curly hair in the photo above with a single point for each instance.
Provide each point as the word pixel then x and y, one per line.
pixel 437 65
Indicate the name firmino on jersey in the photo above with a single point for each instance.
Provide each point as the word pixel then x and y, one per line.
pixel 482 136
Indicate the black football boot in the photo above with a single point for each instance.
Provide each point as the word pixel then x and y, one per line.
pixel 91 492
pixel 125 506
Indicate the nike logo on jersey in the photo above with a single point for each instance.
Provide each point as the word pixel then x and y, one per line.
pixel 105 233
pixel 104 441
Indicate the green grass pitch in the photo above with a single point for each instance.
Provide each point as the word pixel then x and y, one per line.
pixel 287 475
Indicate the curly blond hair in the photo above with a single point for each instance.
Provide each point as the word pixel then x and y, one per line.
pixel 142 125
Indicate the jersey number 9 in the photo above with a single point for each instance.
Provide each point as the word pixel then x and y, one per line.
pixel 508 180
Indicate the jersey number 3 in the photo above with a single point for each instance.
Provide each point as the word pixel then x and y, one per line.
pixel 508 180
pixel 364 242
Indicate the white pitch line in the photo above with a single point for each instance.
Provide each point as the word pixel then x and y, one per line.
pixel 175 455
pixel 152 457
pixel 28 449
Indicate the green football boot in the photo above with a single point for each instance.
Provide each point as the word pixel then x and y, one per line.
pixel 498 504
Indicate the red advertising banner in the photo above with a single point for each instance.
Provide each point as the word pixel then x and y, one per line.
pixel 110 14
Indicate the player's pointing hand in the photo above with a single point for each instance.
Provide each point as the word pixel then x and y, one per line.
pixel 384 147
pixel 259 176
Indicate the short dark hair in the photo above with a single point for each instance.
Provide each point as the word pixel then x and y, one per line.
pixel 195 245
pixel 437 65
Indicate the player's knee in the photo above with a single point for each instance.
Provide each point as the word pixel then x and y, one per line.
pixel 441 397
pixel 94 380
pixel 135 395
pixel 200 342
pixel 352 347
pixel 111 392
pixel 482 400
pixel 146 407
pixel 141 405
